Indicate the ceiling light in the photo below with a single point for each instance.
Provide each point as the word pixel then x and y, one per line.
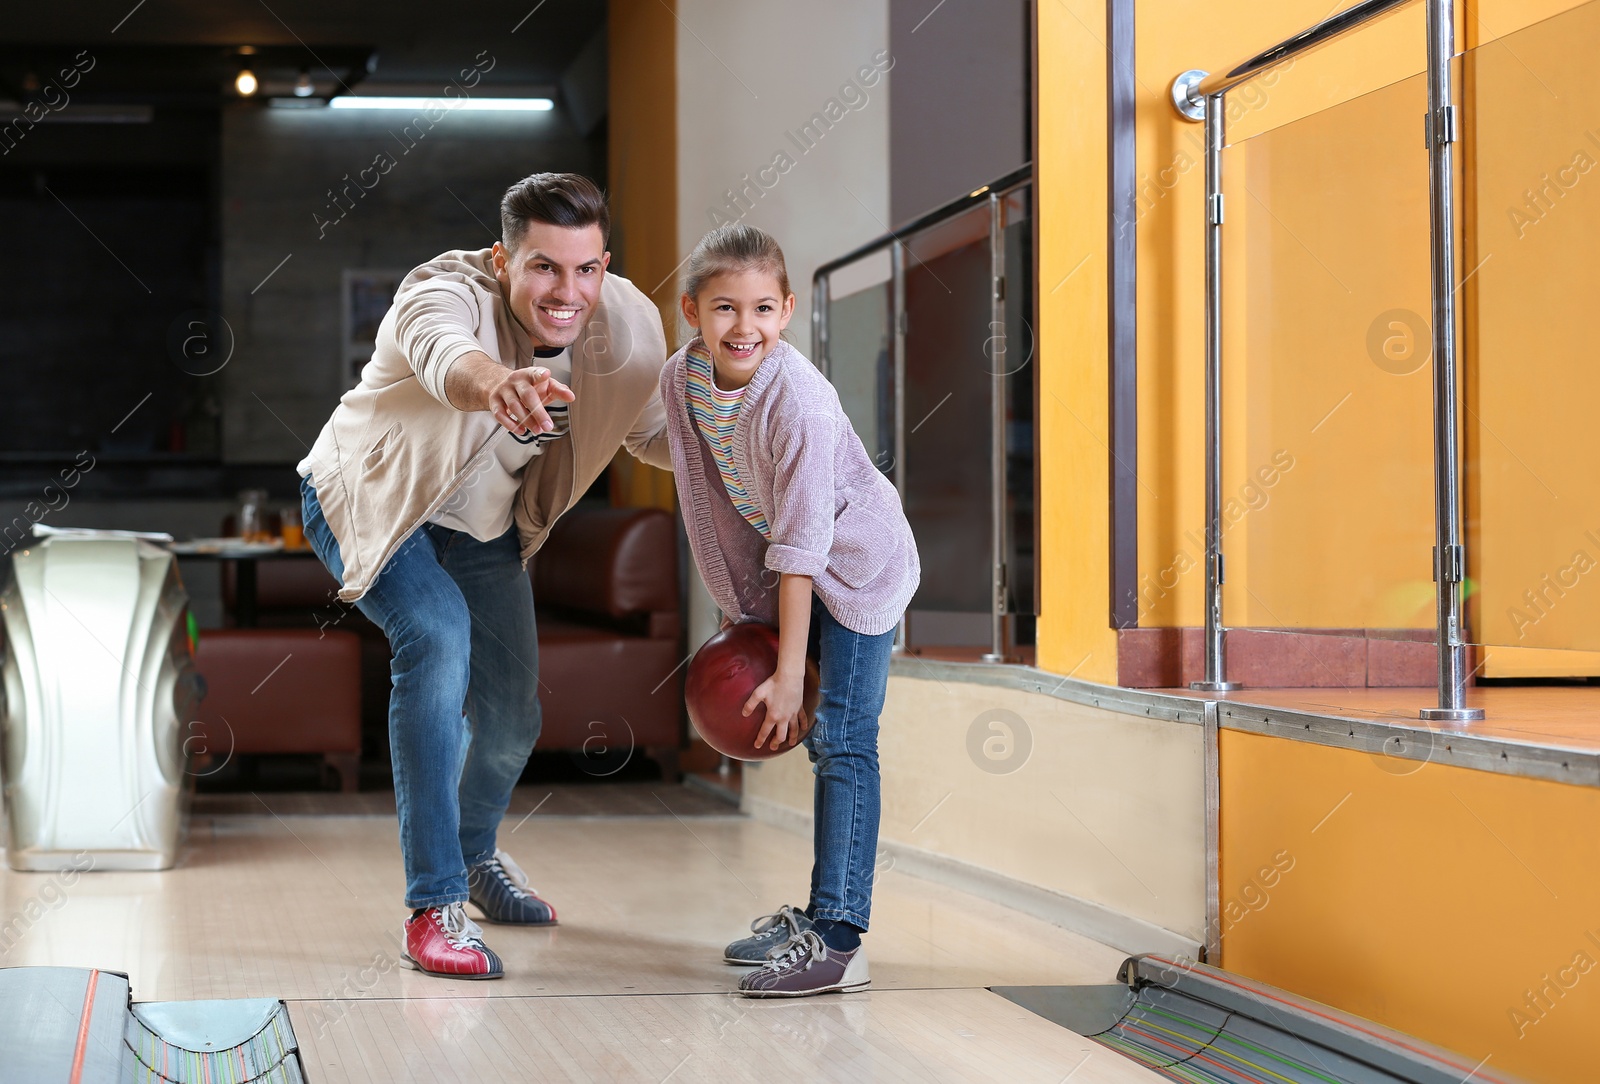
pixel 245 83
pixel 503 105
pixel 302 85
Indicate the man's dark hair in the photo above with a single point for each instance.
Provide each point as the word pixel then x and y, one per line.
pixel 570 200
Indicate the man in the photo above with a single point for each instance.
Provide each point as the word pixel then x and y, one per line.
pixel 502 383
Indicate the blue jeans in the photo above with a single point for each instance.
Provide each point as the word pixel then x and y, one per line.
pixel 464 710
pixel 843 745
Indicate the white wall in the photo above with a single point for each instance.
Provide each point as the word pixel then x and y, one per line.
pixel 749 74
pixel 753 72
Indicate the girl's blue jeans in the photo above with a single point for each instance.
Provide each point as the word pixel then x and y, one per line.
pixel 843 745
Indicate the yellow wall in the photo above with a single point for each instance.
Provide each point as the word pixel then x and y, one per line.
pixel 643 153
pixel 1334 240
pixel 1173 37
pixel 1429 898
pixel 1485 20
pixel 1074 632
pixel 1536 531
pixel 1074 569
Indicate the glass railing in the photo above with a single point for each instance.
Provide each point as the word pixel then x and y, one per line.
pixel 1327 516
pixel 927 334
pixel 1532 225
pixel 1364 482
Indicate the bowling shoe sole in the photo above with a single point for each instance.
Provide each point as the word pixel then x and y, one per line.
pixel 855 978
pixel 525 925
pixel 410 964
pixel 838 988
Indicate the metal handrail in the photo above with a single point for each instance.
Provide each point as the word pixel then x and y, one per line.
pixel 1023 174
pixel 1198 95
pixel 993 196
pixel 1313 37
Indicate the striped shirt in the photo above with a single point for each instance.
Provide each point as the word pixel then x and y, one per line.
pixel 482 506
pixel 715 412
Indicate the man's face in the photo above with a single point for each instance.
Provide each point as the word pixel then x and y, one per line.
pixel 552 279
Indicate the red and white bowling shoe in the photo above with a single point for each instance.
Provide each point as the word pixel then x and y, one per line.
pixel 444 941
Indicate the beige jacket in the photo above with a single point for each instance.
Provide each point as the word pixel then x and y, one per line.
pixel 395 449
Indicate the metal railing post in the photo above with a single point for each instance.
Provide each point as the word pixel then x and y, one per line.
pixel 1199 95
pixel 819 325
pixel 999 647
pixel 1449 560
pixel 897 317
pixel 1216 679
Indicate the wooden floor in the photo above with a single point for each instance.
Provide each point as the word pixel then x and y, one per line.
pixel 630 987
pixel 1560 716
pixel 552 800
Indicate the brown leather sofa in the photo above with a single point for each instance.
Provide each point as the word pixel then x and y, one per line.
pixel 606 599
pixel 280 691
pixel 611 662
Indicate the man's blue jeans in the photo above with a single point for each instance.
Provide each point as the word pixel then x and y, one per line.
pixel 843 744
pixel 464 710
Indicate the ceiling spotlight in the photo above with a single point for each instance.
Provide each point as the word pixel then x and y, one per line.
pixel 245 83
pixel 302 85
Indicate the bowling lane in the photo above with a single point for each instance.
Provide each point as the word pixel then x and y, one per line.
pixel 307 908
pixel 910 1035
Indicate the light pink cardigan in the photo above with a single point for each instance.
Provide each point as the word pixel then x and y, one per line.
pixel 834 516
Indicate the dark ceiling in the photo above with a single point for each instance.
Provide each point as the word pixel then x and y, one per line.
pixel 171 49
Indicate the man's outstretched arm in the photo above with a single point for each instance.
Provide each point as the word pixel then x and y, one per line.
pixel 434 328
pixel 516 397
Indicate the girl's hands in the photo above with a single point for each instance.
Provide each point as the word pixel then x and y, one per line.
pixel 785 722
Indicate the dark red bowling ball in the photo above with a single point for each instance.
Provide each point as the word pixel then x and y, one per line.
pixel 723 674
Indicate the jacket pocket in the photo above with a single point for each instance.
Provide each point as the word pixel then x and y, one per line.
pixel 862 546
pixel 380 448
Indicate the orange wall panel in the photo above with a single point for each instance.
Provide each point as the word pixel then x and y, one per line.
pixel 643 151
pixel 1074 566
pixel 1459 906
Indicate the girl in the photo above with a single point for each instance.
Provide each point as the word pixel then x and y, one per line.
pixel 790 523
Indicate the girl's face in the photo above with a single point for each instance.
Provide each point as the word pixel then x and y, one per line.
pixel 740 315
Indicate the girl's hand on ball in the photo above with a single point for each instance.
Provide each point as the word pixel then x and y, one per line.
pixel 785 721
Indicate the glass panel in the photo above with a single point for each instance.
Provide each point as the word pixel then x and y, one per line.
pixel 953 351
pixel 1019 366
pixel 948 381
pixel 1533 525
pixel 860 349
pixel 1327 460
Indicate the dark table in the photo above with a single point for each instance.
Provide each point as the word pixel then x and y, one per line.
pixel 244 557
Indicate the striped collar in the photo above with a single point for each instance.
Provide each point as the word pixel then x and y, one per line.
pixel 698 352
pixel 765 373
